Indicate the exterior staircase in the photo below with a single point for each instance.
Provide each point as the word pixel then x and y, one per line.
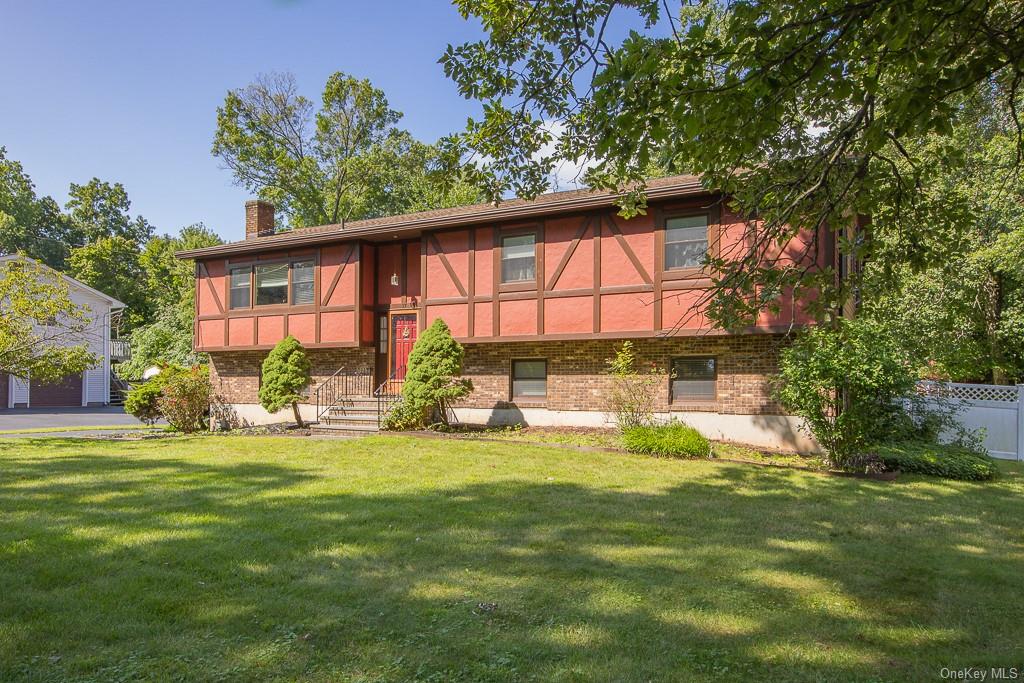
pixel 350 416
pixel 118 390
pixel 346 406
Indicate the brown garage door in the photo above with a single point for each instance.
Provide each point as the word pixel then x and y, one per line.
pixel 5 386
pixel 66 392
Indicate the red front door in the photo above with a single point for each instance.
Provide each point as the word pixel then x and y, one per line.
pixel 403 336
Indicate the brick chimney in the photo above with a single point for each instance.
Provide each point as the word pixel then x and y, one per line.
pixel 259 218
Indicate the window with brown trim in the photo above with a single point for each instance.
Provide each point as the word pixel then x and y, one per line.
pixel 302 283
pixel 694 378
pixel 518 258
pixel 271 284
pixel 686 242
pixel 241 288
pixel 530 379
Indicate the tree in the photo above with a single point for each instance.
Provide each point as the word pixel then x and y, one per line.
pixel 956 295
pixel 432 381
pixel 170 280
pixel 43 334
pixel 286 374
pixel 798 110
pixel 29 224
pixel 320 166
pixel 111 265
pixel 170 285
pixel 99 209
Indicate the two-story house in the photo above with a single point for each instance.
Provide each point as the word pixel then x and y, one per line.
pixel 89 388
pixel 539 293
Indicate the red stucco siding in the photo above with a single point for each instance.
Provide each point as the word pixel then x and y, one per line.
pixel 596 274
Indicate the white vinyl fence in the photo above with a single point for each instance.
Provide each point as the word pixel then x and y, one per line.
pixel 998 409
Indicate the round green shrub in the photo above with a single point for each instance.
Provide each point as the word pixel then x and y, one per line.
pixel 673 440
pixel 142 401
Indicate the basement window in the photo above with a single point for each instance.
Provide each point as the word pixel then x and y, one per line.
pixel 518 258
pixel 686 242
pixel 241 288
pixel 694 379
pixel 529 379
pixel 271 284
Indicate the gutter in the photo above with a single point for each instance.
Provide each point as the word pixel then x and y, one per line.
pixel 498 213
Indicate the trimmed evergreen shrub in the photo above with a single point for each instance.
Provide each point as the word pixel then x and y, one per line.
pixel 432 380
pixel 672 440
pixel 286 373
pixel 949 461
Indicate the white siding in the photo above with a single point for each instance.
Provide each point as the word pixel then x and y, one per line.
pixel 97 337
pixel 19 391
pixel 96 384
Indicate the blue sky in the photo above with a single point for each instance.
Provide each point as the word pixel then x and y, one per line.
pixel 127 91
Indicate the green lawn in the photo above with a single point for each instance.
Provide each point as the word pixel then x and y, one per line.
pixel 395 558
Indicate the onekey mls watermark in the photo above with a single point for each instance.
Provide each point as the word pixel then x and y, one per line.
pixel 982 673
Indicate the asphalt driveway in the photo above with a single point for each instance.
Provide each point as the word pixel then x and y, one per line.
pixel 36 418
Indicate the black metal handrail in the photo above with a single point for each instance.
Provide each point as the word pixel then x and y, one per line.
pixel 388 393
pixel 342 384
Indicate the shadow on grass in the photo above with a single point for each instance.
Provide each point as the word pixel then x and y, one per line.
pixel 168 567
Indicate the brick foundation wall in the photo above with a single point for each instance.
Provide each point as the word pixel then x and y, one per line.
pixel 578 377
pixel 577 372
pixel 235 375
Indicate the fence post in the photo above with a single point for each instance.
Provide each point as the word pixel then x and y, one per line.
pixel 1020 422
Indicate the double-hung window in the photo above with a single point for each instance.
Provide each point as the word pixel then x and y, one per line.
pixel 241 287
pixel 302 283
pixel 529 379
pixel 694 379
pixel 686 242
pixel 518 258
pixel 271 284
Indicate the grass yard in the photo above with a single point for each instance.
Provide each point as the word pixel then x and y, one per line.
pixel 396 558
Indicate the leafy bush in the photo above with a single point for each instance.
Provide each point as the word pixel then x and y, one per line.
pixel 432 381
pixel 185 398
pixel 143 400
pixel 286 373
pixel 674 440
pixel 950 461
pixel 846 382
pixel 633 393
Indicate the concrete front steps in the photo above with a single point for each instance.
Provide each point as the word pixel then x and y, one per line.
pixel 350 417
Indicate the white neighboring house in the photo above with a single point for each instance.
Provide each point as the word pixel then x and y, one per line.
pixel 90 388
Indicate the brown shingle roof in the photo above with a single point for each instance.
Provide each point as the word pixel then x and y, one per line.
pixel 552 202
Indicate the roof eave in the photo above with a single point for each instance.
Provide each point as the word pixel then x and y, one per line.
pixel 498 213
